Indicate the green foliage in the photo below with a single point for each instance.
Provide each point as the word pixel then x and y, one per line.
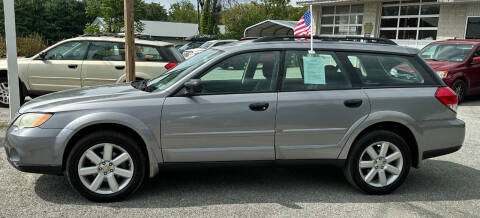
pixel 112 12
pixel 241 16
pixel 92 29
pixel 209 17
pixel 155 11
pixel 53 19
pixel 26 46
pixel 182 12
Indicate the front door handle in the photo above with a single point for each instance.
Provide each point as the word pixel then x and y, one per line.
pixel 119 67
pixel 261 106
pixel 72 66
pixel 353 102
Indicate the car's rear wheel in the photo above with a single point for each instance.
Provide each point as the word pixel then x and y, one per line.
pixel 106 166
pixel 378 163
pixel 5 95
pixel 460 88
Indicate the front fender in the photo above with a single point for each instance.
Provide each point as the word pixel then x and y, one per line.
pixel 378 117
pixel 152 144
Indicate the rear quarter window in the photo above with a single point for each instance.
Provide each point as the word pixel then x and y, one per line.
pixel 157 54
pixel 389 70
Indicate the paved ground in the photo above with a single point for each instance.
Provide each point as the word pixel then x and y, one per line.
pixel 448 186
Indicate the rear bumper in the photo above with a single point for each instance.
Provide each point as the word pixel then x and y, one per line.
pixel 441 137
pixel 440 152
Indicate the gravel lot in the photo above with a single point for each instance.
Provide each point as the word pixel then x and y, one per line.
pixel 447 186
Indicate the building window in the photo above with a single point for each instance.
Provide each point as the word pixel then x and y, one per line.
pixel 410 20
pixel 473 28
pixel 341 20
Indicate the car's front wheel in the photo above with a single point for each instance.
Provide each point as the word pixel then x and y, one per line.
pixel 106 166
pixel 378 163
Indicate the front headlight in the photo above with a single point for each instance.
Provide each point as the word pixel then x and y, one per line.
pixel 442 74
pixel 31 120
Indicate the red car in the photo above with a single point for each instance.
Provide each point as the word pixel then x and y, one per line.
pixel 457 62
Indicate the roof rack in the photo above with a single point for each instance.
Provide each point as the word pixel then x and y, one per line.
pixel 121 35
pixel 329 38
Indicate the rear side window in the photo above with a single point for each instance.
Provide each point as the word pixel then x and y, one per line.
pixel 389 70
pixel 315 72
pixel 155 54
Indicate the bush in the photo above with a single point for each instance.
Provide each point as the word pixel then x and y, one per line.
pixel 26 46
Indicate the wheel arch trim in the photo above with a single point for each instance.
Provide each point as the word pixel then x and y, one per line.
pixel 151 143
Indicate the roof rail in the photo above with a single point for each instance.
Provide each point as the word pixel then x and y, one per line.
pixel 121 35
pixel 329 38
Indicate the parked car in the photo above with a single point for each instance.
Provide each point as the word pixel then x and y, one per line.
pixel 209 44
pixel 457 62
pixel 195 42
pixel 87 61
pixel 340 106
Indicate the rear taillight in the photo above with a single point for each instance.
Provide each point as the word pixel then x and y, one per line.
pixel 448 97
pixel 170 65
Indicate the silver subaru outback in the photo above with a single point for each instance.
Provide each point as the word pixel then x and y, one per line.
pixel 373 108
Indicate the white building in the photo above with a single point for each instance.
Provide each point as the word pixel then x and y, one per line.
pixel 408 22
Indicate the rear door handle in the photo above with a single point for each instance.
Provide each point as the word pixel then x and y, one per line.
pixel 261 106
pixel 353 102
pixel 72 66
pixel 119 67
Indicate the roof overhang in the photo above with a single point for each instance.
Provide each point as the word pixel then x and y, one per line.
pixel 317 2
pixel 270 28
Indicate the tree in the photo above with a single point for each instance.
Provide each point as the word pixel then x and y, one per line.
pixel 155 11
pixel 112 12
pixel 209 17
pixel 51 19
pixel 240 16
pixel 183 12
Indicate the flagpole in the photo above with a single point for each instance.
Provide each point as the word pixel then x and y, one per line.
pixel 311 31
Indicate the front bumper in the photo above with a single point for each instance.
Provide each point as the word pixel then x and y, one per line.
pixel 35 150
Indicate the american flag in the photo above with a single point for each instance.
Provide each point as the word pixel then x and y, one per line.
pixel 303 27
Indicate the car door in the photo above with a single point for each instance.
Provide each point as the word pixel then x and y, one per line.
pixel 473 72
pixel 317 105
pixel 104 63
pixel 59 69
pixel 231 119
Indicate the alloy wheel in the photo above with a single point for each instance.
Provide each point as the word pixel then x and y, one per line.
pixel 105 168
pixel 4 96
pixel 380 164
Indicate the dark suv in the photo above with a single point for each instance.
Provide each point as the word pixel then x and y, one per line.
pixel 457 62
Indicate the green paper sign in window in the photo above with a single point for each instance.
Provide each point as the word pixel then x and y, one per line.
pixel 314 70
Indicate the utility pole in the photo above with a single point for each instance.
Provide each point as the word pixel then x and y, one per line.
pixel 129 40
pixel 11 41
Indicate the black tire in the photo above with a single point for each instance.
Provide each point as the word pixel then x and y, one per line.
pixel 351 169
pixel 22 91
pixel 121 140
pixel 460 87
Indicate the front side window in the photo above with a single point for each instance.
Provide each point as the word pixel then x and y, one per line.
pixel 106 51
pixel 388 70
pixel 446 52
pixel 68 51
pixel 318 72
pixel 243 73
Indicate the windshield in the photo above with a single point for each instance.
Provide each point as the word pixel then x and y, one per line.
pixel 206 45
pixel 446 52
pixel 181 70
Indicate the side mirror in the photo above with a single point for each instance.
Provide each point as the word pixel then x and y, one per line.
pixel 476 60
pixel 42 56
pixel 193 86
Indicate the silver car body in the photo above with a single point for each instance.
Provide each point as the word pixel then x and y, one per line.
pixel 308 125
